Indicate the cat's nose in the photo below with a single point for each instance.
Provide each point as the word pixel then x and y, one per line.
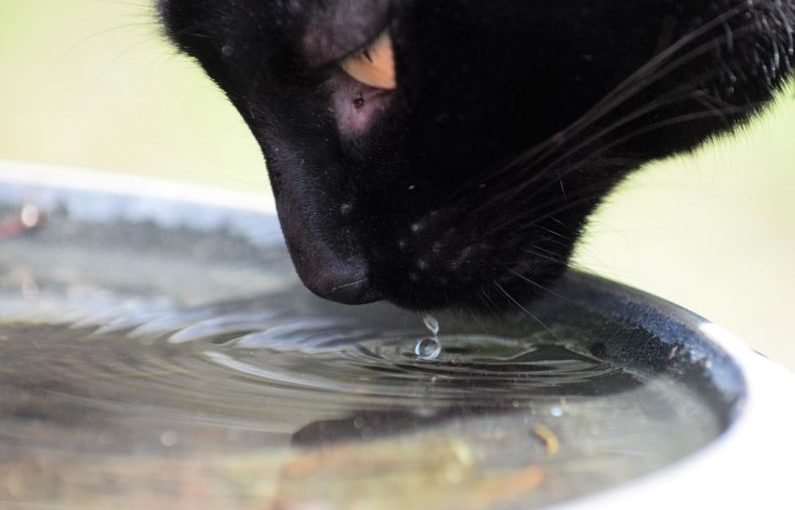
pixel 342 283
pixel 315 203
pixel 333 268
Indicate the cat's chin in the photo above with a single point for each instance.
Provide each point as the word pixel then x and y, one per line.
pixel 507 294
pixel 484 289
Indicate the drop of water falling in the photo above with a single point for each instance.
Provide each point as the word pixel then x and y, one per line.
pixel 428 348
pixel 431 323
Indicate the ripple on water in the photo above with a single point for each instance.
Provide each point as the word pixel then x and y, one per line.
pixel 114 390
pixel 277 368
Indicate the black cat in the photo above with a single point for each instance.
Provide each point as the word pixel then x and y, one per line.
pixel 448 153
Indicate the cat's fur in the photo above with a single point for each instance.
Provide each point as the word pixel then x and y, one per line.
pixel 470 183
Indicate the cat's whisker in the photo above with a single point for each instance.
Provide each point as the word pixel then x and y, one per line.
pixel 542 256
pixel 149 23
pixel 681 92
pixel 589 157
pixel 637 81
pixel 543 288
pixel 489 303
pixel 522 307
pixel 590 196
pixel 559 235
pixel 632 86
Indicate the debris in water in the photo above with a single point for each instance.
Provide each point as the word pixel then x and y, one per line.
pixel 29 218
pixel 550 440
pixel 508 487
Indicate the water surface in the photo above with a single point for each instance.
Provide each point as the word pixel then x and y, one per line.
pixel 163 368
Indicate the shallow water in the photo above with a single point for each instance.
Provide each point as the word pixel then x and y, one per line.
pixel 168 377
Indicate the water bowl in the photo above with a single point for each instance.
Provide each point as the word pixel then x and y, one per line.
pixel 157 351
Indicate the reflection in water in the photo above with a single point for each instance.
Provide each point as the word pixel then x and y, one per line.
pixel 164 386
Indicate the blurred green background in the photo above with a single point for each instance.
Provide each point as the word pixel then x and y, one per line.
pixel 91 83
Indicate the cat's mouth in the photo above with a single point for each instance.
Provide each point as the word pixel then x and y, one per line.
pixel 433 261
pixel 450 258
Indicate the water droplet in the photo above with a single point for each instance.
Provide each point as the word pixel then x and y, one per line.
pixel 431 323
pixel 169 438
pixel 428 348
pixel 556 411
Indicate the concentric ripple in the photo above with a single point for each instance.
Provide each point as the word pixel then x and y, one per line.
pixel 278 371
pixel 208 380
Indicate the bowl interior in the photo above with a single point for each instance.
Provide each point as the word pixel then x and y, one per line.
pixel 161 350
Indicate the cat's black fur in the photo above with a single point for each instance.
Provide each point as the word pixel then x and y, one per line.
pixel 511 121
